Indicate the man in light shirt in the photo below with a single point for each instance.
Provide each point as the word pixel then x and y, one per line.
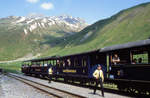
pixel 50 72
pixel 98 74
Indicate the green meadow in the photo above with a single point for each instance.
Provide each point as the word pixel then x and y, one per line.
pixel 14 67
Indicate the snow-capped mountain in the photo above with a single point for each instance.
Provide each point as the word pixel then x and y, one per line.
pixel 28 36
pixel 66 23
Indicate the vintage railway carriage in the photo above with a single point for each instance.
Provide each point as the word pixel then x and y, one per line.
pixel 38 67
pixel 26 67
pixel 79 67
pixel 133 70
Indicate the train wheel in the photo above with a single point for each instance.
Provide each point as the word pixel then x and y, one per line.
pixel 92 83
pixel 132 90
pixel 148 93
pixel 141 92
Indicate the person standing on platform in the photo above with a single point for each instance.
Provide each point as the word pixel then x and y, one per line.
pixel 50 72
pixel 98 74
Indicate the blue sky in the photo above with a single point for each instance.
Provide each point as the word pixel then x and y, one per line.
pixel 90 10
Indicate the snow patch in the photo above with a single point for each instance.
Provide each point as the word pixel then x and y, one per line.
pixel 44 20
pixel 43 25
pixel 33 27
pixel 39 25
pixel 21 20
pixel 25 32
pixel 29 21
pixel 73 24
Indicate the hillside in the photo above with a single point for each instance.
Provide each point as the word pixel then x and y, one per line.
pixel 27 36
pixel 128 25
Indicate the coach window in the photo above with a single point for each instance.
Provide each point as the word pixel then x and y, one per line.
pixel 84 62
pixel 49 63
pixel 71 62
pixel 37 64
pixel 97 59
pixel 68 62
pixel 63 63
pixel 120 57
pixel 40 63
pixel 58 63
pixel 25 64
pixel 32 63
pixel 76 62
pixel 140 57
pixel 45 63
pixel 54 62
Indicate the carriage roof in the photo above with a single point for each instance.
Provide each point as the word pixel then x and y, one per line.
pixel 126 45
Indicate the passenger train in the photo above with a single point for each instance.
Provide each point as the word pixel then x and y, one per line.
pixel 130 74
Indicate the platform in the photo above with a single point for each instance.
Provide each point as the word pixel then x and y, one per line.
pixel 74 89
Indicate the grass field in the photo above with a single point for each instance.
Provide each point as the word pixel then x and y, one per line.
pixel 11 67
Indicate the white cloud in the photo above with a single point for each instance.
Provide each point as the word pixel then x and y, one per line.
pixel 47 6
pixel 32 1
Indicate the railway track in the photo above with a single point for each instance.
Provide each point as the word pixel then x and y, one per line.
pixel 46 89
pixel 109 90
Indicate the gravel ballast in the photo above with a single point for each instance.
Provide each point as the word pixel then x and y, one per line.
pixel 11 88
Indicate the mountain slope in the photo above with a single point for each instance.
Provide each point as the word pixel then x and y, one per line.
pixel 128 25
pixel 26 36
